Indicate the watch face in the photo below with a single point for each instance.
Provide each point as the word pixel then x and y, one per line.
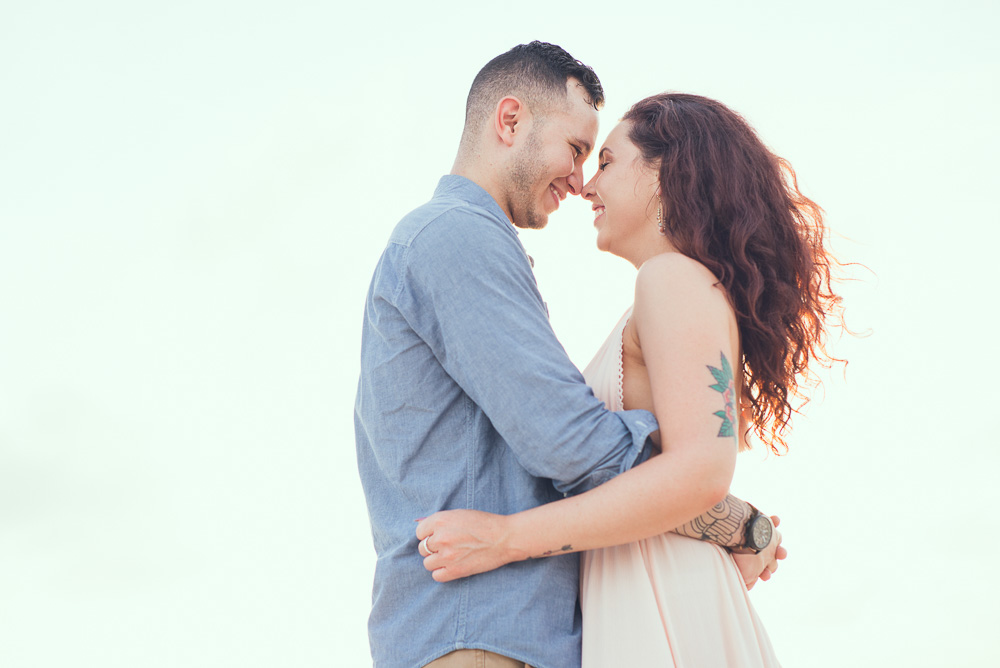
pixel 761 532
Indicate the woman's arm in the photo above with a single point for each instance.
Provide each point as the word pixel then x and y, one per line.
pixel 724 523
pixel 472 541
pixel 686 331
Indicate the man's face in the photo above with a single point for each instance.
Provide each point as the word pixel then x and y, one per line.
pixel 549 162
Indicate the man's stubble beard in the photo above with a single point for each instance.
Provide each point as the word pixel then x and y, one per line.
pixel 521 182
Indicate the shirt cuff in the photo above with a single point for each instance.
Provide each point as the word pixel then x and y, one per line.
pixel 640 424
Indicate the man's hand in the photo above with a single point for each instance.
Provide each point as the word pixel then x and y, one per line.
pixel 762 565
pixel 459 543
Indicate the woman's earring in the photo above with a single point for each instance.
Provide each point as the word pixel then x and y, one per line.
pixel 659 216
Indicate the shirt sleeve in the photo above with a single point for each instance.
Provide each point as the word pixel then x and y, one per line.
pixel 468 291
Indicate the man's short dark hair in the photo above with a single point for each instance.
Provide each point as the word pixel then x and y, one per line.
pixel 536 72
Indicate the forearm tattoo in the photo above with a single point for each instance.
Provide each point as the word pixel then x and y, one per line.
pixel 723 525
pixel 549 553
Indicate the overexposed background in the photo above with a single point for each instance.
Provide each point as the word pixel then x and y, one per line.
pixel 193 196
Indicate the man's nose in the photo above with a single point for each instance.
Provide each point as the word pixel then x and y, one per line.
pixel 575 180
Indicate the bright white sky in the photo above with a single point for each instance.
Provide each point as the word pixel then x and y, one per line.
pixel 194 195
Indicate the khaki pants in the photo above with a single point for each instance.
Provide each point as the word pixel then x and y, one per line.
pixel 475 658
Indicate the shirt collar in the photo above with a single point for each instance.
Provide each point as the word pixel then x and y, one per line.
pixel 471 192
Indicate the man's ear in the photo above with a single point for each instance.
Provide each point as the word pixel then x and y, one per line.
pixel 508 118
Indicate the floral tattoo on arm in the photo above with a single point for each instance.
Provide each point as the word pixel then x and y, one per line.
pixel 724 384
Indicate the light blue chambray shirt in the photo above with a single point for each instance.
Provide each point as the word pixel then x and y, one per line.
pixel 467 400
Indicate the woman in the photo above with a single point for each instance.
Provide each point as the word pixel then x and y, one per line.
pixel 731 301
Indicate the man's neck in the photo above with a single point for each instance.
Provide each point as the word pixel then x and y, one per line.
pixel 481 172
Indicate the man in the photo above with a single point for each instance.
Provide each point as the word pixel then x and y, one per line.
pixel 466 398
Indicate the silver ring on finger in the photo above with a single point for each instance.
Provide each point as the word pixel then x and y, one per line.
pixel 424 545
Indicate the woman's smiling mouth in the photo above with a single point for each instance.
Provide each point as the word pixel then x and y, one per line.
pixel 598 212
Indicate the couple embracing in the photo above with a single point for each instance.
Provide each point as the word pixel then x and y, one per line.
pixel 584 519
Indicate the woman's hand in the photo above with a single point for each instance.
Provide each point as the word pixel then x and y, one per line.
pixel 763 564
pixel 459 543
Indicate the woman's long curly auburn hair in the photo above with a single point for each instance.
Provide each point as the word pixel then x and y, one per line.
pixel 734 206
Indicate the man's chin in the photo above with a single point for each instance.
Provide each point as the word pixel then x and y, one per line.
pixel 532 221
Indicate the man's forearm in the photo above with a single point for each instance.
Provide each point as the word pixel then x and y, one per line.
pixel 725 524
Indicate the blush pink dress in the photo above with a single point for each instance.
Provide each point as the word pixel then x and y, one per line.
pixel 667 600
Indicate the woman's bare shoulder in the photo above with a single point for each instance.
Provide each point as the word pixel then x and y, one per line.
pixel 672 279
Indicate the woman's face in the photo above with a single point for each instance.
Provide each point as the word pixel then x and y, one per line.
pixel 624 197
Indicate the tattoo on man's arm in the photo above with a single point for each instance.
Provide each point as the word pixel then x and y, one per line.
pixel 723 525
pixel 724 384
pixel 549 553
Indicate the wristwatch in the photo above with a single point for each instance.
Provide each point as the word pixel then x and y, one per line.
pixel 758 531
